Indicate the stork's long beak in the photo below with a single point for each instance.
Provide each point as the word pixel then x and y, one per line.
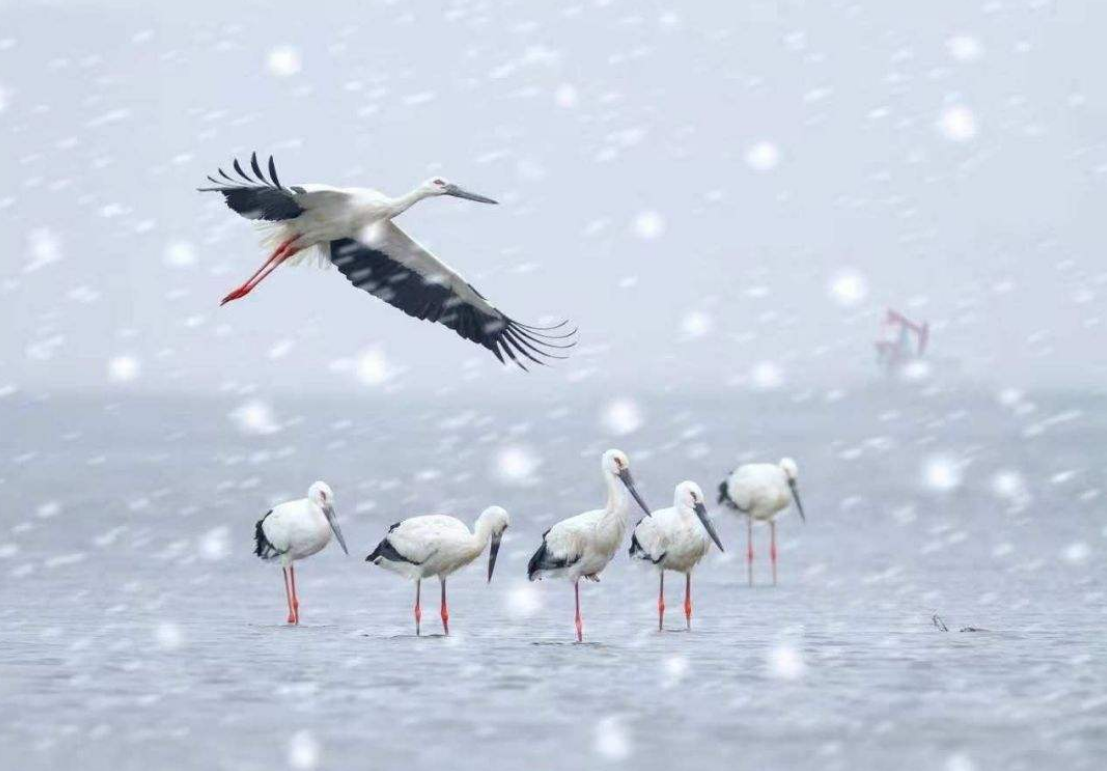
pixel 492 552
pixel 628 480
pixel 333 520
pixel 796 498
pixel 701 512
pixel 459 192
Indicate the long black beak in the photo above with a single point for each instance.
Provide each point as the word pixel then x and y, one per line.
pixel 796 498
pixel 493 550
pixel 459 192
pixel 628 480
pixel 701 512
pixel 333 520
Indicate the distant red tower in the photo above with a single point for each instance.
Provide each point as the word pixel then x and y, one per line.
pixel 894 349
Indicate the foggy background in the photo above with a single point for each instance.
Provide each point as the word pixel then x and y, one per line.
pixel 720 195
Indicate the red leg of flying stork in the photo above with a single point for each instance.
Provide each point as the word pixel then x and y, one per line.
pixel 661 604
pixel 749 549
pixel 418 608
pixel 445 610
pixel 688 600
pixel 288 596
pixel 282 253
pixel 295 597
pixel 579 621
pixel 772 549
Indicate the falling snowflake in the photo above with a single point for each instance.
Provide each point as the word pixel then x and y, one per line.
pixel 373 367
pixel 565 96
pixel 763 156
pixel 180 255
pixel 786 663
pixel 696 324
pixel 941 473
pixel 649 225
pixel 622 417
pixel 849 288
pixel 612 739
pixel 45 249
pixel 1076 553
pixel 523 600
pixel 283 61
pixel 304 751
pixel 964 48
pixel 255 417
pixel 766 376
pixel 957 124
pixel 516 465
pixel 123 369
pixel 168 636
pixel 216 543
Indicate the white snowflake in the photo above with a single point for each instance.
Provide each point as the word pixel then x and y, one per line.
pixel 784 662
pixel 849 288
pixel 283 61
pixel 649 225
pixel 255 417
pixel 622 417
pixel 957 123
pixel 123 369
pixel 763 156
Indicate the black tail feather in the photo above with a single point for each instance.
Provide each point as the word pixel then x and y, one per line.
pixel 262 547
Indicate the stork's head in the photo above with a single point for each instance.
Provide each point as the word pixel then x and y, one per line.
pixel 617 464
pixel 689 496
pixel 322 496
pixel 791 470
pixel 321 493
pixel 442 186
pixel 495 519
pixel 791 473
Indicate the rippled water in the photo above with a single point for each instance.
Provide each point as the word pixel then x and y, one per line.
pixel 138 630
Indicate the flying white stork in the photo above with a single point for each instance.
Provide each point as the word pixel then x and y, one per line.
pixel 437 545
pixel 761 491
pixel 676 539
pixel 353 229
pixel 581 546
pixel 294 530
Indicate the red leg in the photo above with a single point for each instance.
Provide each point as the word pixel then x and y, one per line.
pixel 579 621
pixel 288 596
pixel 661 604
pixel 282 253
pixel 749 549
pixel 418 608
pixel 295 597
pixel 688 600
pixel 445 610
pixel 772 549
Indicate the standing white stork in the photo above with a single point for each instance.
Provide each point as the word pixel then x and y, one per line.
pixel 581 546
pixel 437 545
pixel 294 530
pixel 353 229
pixel 761 491
pixel 676 539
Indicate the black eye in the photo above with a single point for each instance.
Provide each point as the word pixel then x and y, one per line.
pixel 439 182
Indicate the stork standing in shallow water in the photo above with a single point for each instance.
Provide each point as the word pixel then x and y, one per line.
pixel 581 546
pixel 353 229
pixel 761 491
pixel 294 530
pixel 437 545
pixel 676 539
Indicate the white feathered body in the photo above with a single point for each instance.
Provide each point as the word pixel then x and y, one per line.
pixel 588 541
pixel 672 539
pixel 297 529
pixel 760 490
pixel 435 545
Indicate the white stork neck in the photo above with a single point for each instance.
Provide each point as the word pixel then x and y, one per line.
pixel 617 495
pixel 399 205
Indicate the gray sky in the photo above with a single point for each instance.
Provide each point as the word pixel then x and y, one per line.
pixel 722 194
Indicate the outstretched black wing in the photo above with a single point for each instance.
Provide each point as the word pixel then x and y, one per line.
pixel 257 199
pixel 405 275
